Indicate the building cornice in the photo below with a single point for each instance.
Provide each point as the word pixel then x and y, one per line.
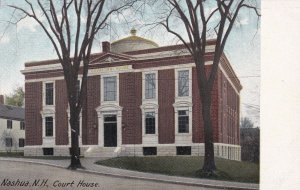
pixel 165 48
pixel 127 55
pixel 230 72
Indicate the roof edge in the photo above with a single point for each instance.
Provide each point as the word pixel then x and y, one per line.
pixel 165 48
pixel 231 71
pixel 135 38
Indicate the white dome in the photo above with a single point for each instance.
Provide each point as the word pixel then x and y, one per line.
pixel 132 43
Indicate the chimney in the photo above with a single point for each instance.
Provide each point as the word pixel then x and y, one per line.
pixel 105 46
pixel 1 99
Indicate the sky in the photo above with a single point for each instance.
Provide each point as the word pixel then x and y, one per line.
pixel 25 41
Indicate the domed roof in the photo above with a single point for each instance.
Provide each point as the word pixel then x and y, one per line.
pixel 132 43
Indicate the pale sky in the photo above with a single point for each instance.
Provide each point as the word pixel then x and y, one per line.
pixel 26 42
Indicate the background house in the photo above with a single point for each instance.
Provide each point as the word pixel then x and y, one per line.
pixel 12 128
pixel 142 99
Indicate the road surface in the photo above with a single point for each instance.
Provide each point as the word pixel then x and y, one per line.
pixel 23 176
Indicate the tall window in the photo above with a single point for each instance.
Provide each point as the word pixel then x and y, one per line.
pixel 150 123
pixel 183 121
pixel 49 93
pixel 21 142
pixel 8 142
pixel 22 125
pixel 49 126
pixel 150 86
pixel 110 88
pixel 9 124
pixel 183 83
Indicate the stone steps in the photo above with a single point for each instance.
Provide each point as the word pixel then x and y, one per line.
pixel 102 152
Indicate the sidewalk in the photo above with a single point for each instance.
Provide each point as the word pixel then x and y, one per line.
pixel 90 167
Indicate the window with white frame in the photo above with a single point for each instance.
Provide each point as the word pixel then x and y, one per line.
pixel 9 124
pixel 183 121
pixel 21 142
pixel 49 93
pixel 8 142
pixel 150 86
pixel 110 88
pixel 22 125
pixel 49 126
pixel 183 83
pixel 149 122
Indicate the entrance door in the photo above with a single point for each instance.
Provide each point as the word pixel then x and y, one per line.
pixel 110 131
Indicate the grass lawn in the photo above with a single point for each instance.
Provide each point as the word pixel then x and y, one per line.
pixel 12 154
pixel 187 166
pixel 21 155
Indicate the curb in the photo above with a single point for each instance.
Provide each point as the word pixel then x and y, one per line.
pixel 139 178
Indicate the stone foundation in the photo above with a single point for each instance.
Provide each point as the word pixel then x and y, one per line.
pixel 227 151
pixel 33 151
pixel 57 151
pixel 166 151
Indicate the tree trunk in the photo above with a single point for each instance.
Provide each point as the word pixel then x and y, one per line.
pixel 75 156
pixel 209 159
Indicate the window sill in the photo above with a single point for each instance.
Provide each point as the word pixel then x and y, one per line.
pixel 48 106
pixel 183 134
pixel 48 137
pixel 150 100
pixel 109 102
pixel 150 135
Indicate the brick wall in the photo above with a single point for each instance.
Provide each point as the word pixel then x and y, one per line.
pixel 166 99
pixel 33 119
pixel 225 110
pixel 229 111
pixel 198 131
pixel 220 110
pixel 198 124
pixel 61 116
pixel 214 108
pixel 89 114
pixel 131 100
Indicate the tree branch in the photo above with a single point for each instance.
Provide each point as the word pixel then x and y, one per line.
pixel 41 24
pixel 175 33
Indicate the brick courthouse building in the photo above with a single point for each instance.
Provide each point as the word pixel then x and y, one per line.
pixel 142 99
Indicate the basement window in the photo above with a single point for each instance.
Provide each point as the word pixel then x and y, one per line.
pixel 183 150
pixel 47 151
pixel 148 151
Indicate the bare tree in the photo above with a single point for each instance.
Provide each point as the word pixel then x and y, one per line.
pixel 72 40
pixel 201 19
pixel 8 140
pixel 246 123
pixel 250 143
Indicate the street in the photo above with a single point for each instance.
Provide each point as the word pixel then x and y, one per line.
pixel 17 175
